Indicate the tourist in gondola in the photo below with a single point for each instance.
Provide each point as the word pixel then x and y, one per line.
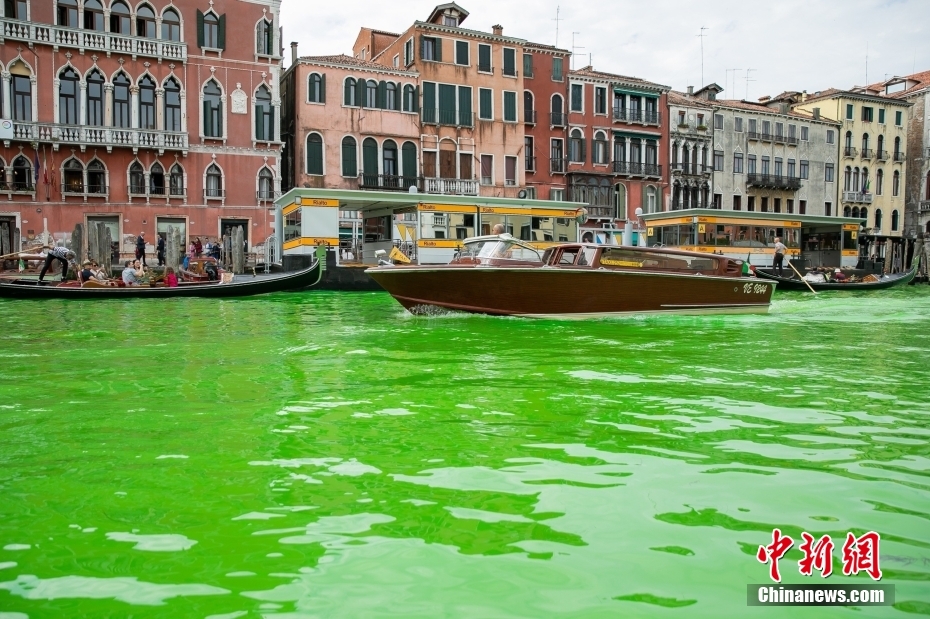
pixel 133 273
pixel 171 280
pixel 198 247
pixel 61 254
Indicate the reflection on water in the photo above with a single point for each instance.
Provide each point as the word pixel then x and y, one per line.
pixel 327 455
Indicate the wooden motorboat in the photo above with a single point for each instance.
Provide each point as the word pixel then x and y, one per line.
pixel 239 286
pixel 868 282
pixel 501 275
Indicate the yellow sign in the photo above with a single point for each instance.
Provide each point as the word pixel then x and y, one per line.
pixel 853 235
pixel 851 227
pixel 436 243
pixel 706 220
pixel 700 228
pixel 447 208
pixel 850 253
pixel 621 263
pixel 320 202
pixel 312 242
pixel 398 256
pixel 290 208
pixel 649 231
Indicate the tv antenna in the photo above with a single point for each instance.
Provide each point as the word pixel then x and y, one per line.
pixel 733 71
pixel 574 47
pixel 748 79
pixel 701 36
pixel 557 20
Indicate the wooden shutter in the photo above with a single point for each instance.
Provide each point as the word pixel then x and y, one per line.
pixel 584 152
pixel 438 49
pixel 259 125
pixel 271 135
pixel 465 106
pixel 347 91
pixel 199 28
pixel 484 108
pixel 381 99
pixel 219 120
pixel 349 163
pixel 416 99
pixel 398 96
pixel 323 88
pixel 422 47
pixel 510 106
pixel 221 37
pixel 360 98
pixel 409 152
pixel 370 159
pixel 207 119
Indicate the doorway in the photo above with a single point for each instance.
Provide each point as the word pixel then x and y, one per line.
pixel 227 226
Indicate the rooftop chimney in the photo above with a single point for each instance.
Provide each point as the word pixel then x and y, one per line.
pixel 498 30
pixel 293 52
pixel 816 113
pixel 690 90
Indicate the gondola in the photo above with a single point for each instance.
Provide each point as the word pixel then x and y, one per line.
pixel 884 281
pixel 240 286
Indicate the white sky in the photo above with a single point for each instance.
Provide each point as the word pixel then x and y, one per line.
pixel 792 44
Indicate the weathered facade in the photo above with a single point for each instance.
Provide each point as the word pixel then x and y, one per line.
pixel 690 148
pixel 545 76
pixel 140 117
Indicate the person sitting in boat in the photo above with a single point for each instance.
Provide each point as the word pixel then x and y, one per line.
pixel 86 274
pixel 63 255
pixel 171 280
pixel 498 229
pixel 839 276
pixel 133 273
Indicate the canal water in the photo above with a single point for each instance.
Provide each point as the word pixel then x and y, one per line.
pixel 329 455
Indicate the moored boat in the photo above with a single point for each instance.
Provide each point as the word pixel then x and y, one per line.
pixel 501 275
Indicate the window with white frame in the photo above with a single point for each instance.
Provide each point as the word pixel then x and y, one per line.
pixel 212 110
pixel 487 169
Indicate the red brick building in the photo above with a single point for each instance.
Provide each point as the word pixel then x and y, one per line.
pixel 545 75
pixel 139 115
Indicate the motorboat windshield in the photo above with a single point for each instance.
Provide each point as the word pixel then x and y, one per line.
pixel 482 250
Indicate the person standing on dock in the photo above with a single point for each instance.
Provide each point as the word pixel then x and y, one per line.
pixel 160 250
pixel 778 263
pixel 63 255
pixel 140 248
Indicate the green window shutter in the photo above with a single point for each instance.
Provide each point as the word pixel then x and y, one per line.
pixel 510 62
pixel 199 28
pixel 207 119
pixel 438 49
pixel 323 88
pixel 219 120
pixel 510 106
pixel 370 158
pixel 347 92
pixel 409 152
pixel 382 95
pixel 416 99
pixel 484 57
pixel 349 163
pixel 422 47
pixel 315 156
pixel 360 92
pixel 259 125
pixel 465 106
pixel 271 135
pixel 557 69
pixel 484 103
pixel 447 104
pixel 527 65
pixel 398 96
pixel 429 102
pixel 221 38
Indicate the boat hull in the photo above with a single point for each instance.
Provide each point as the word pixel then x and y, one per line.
pixel 786 283
pixel 21 289
pixel 569 292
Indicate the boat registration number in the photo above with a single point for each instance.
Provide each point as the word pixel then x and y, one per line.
pixel 755 288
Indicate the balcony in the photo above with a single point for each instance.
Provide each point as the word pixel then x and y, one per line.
pixel 557 119
pixel 214 194
pixel 690 169
pixel 633 115
pixel 448 118
pixel 881 155
pixel 632 168
pixel 857 197
pixel 867 153
pixel 791 140
pixel 772 181
pixel 529 117
pixel 601 212
pixel 92 40
pixel 850 151
pixel 753 135
pixel 387 182
pixel 925 206
pixel 108 137
pixel 451 186
pixel 88 191
pixel 267 195
pixel 530 163
pixel 899 157
pixel 557 165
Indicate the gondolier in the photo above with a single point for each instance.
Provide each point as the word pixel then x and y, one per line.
pixel 63 255
pixel 780 250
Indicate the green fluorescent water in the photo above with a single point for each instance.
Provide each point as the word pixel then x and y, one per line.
pixel 329 455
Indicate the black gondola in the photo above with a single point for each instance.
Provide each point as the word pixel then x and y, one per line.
pixel 884 281
pixel 241 286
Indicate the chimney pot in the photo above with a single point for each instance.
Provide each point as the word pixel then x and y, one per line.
pixel 816 113
pixel 293 52
pixel 497 29
pixel 690 90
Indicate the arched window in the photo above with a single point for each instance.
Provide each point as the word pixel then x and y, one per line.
pixel 390 97
pixel 865 187
pixel 68 97
pixel 315 154
pixel 620 199
pixel 410 100
pixel 146 103
pixel 145 22
pixel 16 9
pixel 349 157
pixel 370 162
pixel 176 180
pixel 864 214
pixel 371 94
pixel 96 177
pixel 409 156
pixel 316 88
pixel 576 146
pixel 529 108
pixel 172 105
pixel 121 116
pixel 67 13
pixel 600 147
pixel 389 165
pixel 119 18
pixel 855 184
pixel 897 149
pixel 157 180
pixel 264 115
pixel 93 15
pixel 211 31
pixel 21 86
pixel 265 185
pixel 557 118
pixel 214 182
pixel 880 147
pixel 136 179
pixel 170 25
pixel 264 38
pixel 848 213
pixel 620 153
pixel 879 182
pixel 94 108
pixel 894 220
pixel 865 143
pixel 22 174
pixel 73 172
pixel 896 183
pixel 350 92
pixel 847 179
pixel 848 140
pixel 212 110
pixel 855 211
pixel 650 201
pixel 878 218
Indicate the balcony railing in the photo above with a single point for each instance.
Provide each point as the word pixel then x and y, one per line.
pixel 451 186
pixel 791 140
pixel 602 212
pixel 850 151
pixel 866 153
pixel 557 119
pixel 85 190
pixel 753 135
pixel 557 165
pixel 773 181
pixel 634 115
pixel 925 206
pixel 530 163
pixel 267 195
pixel 214 193
pixel 881 155
pixel 387 182
pixel 631 168
pixel 691 169
pixel 450 118
pixel 899 157
pixel 92 40
pixel 857 197
pixel 529 116
pixel 108 137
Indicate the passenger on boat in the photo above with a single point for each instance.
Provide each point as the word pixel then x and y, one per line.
pixel 198 247
pixel 86 274
pixel 497 229
pixel 839 276
pixel 171 280
pixel 63 255
pixel 815 277
pixel 98 273
pixel 132 273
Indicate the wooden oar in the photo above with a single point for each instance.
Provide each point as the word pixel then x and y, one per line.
pixel 807 283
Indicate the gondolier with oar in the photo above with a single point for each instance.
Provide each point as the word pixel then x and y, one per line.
pixel 63 255
pixel 780 250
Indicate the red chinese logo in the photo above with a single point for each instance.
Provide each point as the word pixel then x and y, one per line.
pixel 775 551
pixel 817 556
pixel 860 554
